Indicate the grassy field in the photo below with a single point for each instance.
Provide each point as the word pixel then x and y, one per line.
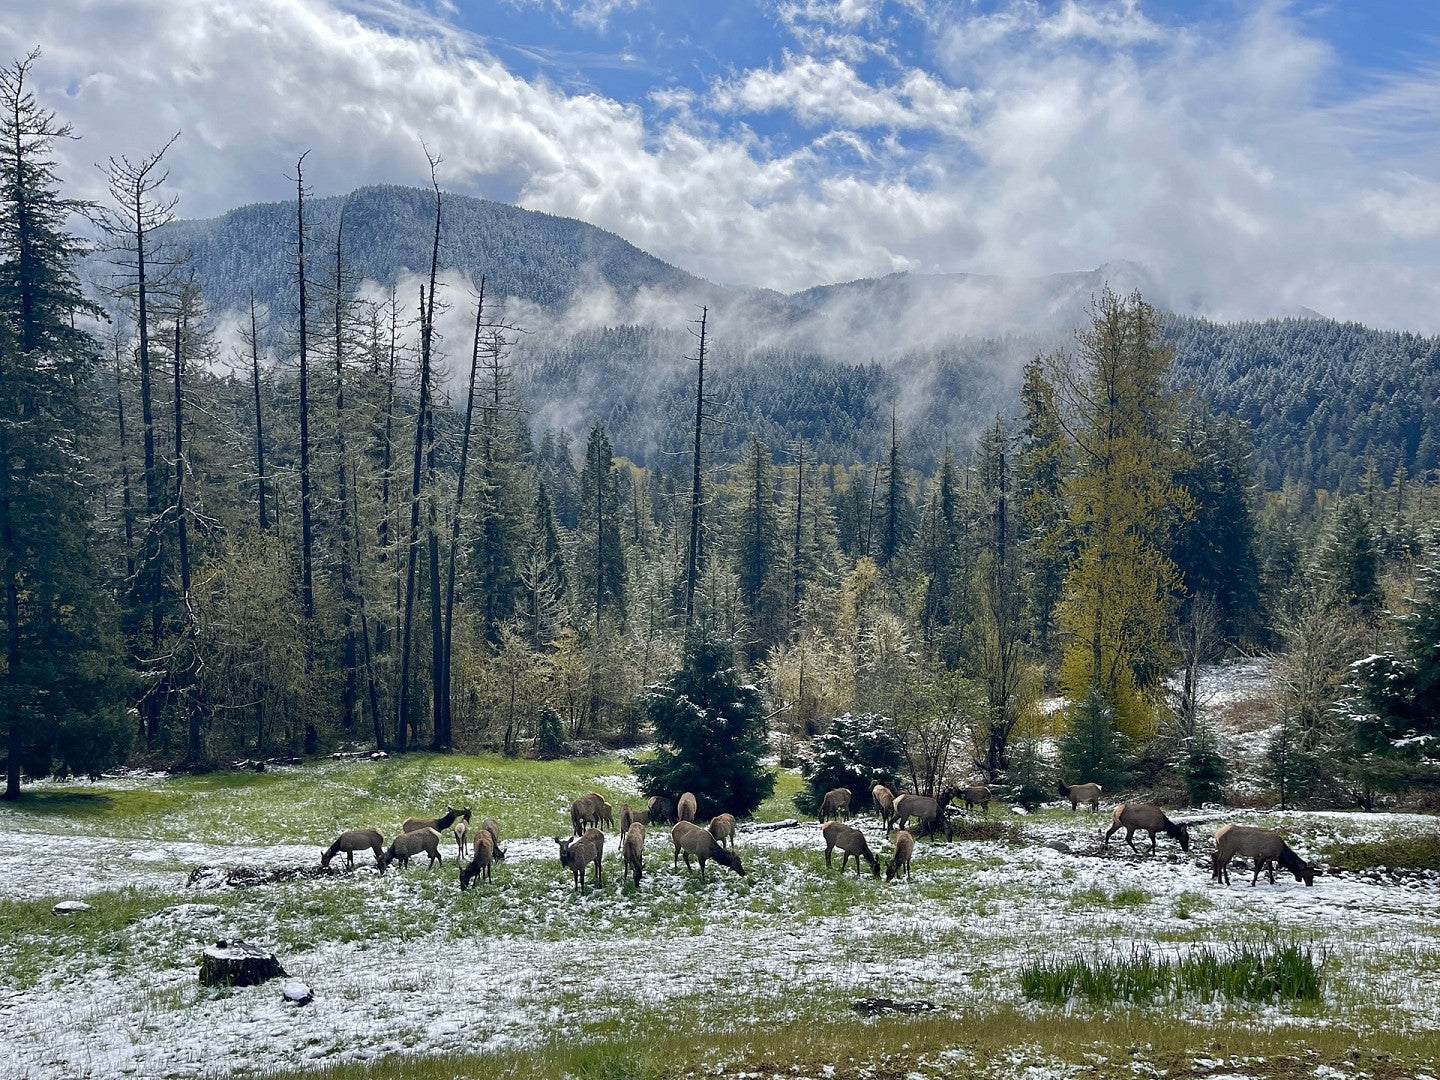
pixel 756 975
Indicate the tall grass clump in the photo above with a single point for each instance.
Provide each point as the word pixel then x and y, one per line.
pixel 1263 973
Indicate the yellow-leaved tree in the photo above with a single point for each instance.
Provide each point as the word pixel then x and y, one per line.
pixel 1119 409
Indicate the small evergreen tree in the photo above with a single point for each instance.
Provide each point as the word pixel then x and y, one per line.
pixel 711 732
pixel 856 753
pixel 1029 781
pixel 1205 770
pixel 1092 749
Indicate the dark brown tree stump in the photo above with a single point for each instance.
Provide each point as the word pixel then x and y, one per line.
pixel 235 963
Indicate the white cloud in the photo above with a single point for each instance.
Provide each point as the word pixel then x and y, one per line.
pixel 1036 138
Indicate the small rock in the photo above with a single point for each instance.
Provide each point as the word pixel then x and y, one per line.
pixel 67 907
pixel 1058 845
pixel 297 992
pixel 885 1004
pixel 1020 810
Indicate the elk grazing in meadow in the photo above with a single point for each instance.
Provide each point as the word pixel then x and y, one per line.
pixel 689 839
pixel 1147 818
pixel 900 862
pixel 353 840
pixel 1264 847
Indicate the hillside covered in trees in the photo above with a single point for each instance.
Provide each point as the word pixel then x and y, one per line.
pixel 606 333
pixel 276 503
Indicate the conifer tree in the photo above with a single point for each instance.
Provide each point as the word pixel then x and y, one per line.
pixel 1121 588
pixel 602 555
pixel 61 699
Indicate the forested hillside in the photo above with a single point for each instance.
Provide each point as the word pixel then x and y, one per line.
pixel 347 516
pixel 605 336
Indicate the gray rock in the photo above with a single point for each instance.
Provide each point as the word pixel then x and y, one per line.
pixel 68 907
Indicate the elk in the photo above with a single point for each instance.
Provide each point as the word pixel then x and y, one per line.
pixel 589 811
pixel 884 800
pixel 661 809
pixel 481 861
pixel 689 839
pixel 1151 819
pixel 852 843
pixel 835 804
pixel 685 808
pixel 629 816
pixel 722 828
pixel 577 855
pixel 353 840
pixel 1264 846
pixel 929 813
pixel 409 844
pixel 1078 793
pixel 900 861
pixel 439 824
pixel 976 795
pixel 489 825
pixel 633 848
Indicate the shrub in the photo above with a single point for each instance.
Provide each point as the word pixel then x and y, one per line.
pixel 856 753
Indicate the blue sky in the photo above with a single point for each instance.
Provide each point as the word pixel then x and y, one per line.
pixel 1257 157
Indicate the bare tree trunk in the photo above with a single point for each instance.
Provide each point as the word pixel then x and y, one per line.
pixel 692 560
pixel 347 575
pixel 127 498
pixel 427 331
pixel 264 515
pixel 460 499
pixel 307 529
pixel 194 752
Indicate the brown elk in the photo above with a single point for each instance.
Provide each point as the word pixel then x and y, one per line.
pixel 1078 793
pixel 689 839
pixel 1264 846
pixel 852 843
pixel 1151 819
pixel 722 828
pixel 633 849
pixel 481 862
pixel 353 840
pixel 900 861
pixel 577 855
pixel 835 804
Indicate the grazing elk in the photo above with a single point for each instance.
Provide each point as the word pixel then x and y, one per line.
pixel 1078 793
pixel 1264 846
pixel 689 839
pixel 929 813
pixel 661 809
pixel 353 840
pixel 482 860
pixel 489 825
pixel 900 861
pixel 589 811
pixel 1151 819
pixel 852 843
pixel 632 847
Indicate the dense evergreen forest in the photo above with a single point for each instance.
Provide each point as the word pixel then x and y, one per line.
pixel 318 514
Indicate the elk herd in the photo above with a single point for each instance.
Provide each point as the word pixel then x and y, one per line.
pixel 583 852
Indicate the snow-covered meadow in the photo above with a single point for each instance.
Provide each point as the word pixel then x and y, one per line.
pixel 405 963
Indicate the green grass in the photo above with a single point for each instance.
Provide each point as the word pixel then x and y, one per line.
pixel 999 1041
pixel 1417 851
pixel 1286 973
pixel 1097 896
pixel 34 943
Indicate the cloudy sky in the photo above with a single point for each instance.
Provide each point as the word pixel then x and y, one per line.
pixel 1256 156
